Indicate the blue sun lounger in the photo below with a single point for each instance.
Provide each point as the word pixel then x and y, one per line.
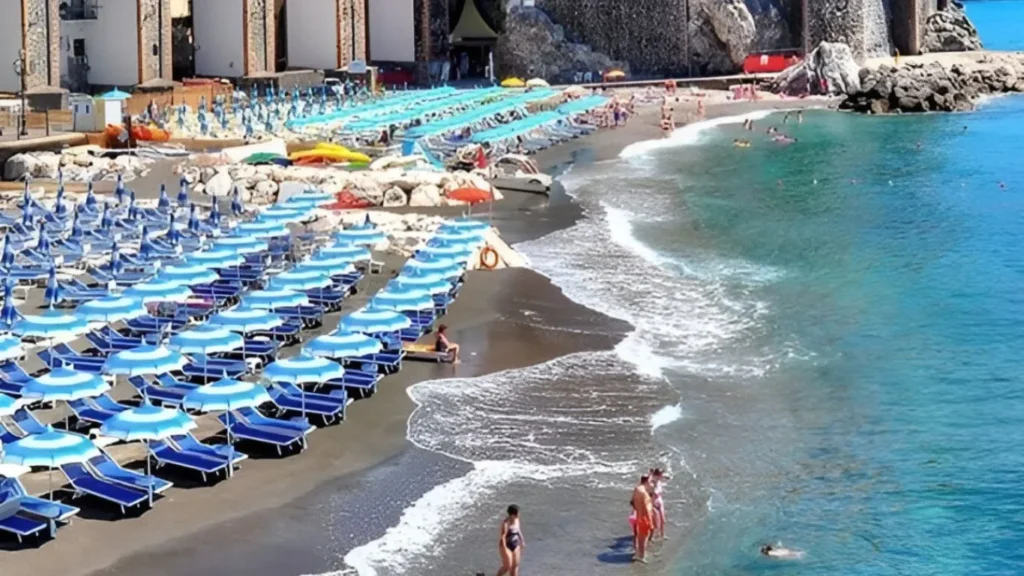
pixel 55 358
pixel 27 422
pixel 85 483
pixel 106 467
pixel 277 437
pixel 169 396
pixel 356 383
pixel 11 488
pixel 167 453
pixel 87 411
pixel 309 315
pixel 155 324
pixel 298 401
pixel 19 523
pixel 11 388
pixel 190 443
pixel 254 417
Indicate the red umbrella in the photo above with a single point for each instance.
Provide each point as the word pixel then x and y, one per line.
pixel 471 195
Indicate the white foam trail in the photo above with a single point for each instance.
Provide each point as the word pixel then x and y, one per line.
pixel 666 415
pixel 689 134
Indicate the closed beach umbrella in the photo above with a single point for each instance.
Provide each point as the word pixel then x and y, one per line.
pixel 328 266
pixel 188 275
pixel 262 229
pixel 147 423
pixel 342 345
pixel 206 340
pixel 50 324
pixel 371 321
pixel 159 291
pixel 350 252
pixel 110 309
pixel 432 283
pixel 360 236
pixel 10 348
pixel 300 280
pixel 8 405
pixel 244 321
pixel 144 360
pixel 224 396
pixel 49 449
pixel 64 385
pixel 405 301
pixel 274 299
pixel 240 244
pixel 215 259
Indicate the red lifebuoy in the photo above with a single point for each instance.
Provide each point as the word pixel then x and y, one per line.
pixel 485 261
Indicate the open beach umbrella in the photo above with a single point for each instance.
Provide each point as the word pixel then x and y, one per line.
pixel 64 385
pixel 274 299
pixel 466 239
pixel 247 320
pixel 240 244
pixel 342 345
pixel 206 340
pixel 110 309
pixel 460 254
pixel 144 360
pixel 215 259
pixel 50 449
pixel 513 83
pixel 283 215
pixel 403 301
pixel 262 229
pixel 224 396
pixel 470 195
pixel 360 237
pixel 50 324
pixel 188 275
pixel 8 405
pixel 373 321
pixel 300 280
pixel 301 370
pixel 147 423
pixel 350 252
pixel 10 348
pixel 429 282
pixel 463 225
pixel 450 269
pixel 157 290
pixel 328 266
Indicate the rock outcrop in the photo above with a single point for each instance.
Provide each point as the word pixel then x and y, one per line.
pixel 917 87
pixel 76 166
pixel 950 30
pixel 829 69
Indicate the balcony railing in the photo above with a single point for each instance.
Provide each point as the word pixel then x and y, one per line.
pixel 79 10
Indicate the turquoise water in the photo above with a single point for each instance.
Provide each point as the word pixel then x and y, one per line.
pixel 899 281
pixel 998 22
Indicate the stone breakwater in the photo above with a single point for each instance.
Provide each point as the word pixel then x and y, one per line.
pixel 940 84
pixel 76 165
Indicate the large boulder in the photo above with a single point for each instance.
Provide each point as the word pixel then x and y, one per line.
pixel 830 62
pixel 49 164
pixel 394 197
pixel 20 166
pixel 950 30
pixel 733 25
pixel 425 195
pixel 220 185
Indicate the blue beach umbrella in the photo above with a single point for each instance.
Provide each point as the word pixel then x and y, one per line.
pixel 360 236
pixel 350 252
pixel 403 301
pixel 373 321
pixel 328 266
pixel 10 348
pixel 50 449
pixel 215 259
pixel 50 324
pixel 90 198
pixel 224 396
pixel 206 340
pixel 164 201
pixel 274 299
pixel 214 217
pixel 264 229
pixel 450 269
pixel 159 291
pixel 281 214
pixel 193 224
pixel 431 283
pixel 463 225
pixel 147 423
pixel 64 385
pixel 245 321
pixel 240 244
pixel 8 405
pixel 119 191
pixel 300 280
pixel 457 253
pixel 303 370
pixel 182 192
pixel 188 275
pixel 342 345
pixel 110 309
pixel 60 208
pixel 456 239
pixel 144 360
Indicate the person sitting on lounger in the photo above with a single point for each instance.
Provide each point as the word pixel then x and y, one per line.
pixel 446 346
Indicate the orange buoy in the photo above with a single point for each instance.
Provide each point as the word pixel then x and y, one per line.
pixel 489 258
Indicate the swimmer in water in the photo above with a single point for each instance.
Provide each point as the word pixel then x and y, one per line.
pixel 780 553
pixel 799 116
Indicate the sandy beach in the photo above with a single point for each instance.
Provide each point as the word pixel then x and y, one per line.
pixel 302 513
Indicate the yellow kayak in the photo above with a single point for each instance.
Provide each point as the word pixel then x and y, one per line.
pixel 332 155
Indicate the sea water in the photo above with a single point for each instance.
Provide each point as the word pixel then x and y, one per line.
pixel 999 22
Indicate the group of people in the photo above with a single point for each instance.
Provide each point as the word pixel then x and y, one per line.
pixel 647 515
pixel 773 132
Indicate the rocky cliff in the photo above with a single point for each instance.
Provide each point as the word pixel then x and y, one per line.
pixel 950 30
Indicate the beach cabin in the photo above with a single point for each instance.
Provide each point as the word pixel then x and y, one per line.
pixel 83 112
pixel 234 39
pixel 329 34
pixel 110 108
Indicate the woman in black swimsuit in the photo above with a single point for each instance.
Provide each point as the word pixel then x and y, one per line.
pixel 511 543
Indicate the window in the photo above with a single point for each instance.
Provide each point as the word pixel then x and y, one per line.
pixel 78 47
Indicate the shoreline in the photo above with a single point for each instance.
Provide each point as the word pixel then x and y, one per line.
pixel 195 527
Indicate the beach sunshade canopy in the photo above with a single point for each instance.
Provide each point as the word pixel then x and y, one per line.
pixel 110 309
pixel 470 195
pixel 147 423
pixel 471 25
pixel 246 320
pixel 281 215
pixel 360 237
pixel 465 239
pixel 342 345
pixel 445 267
pixel 159 291
pixel 10 348
pixel 463 225
pixel 404 301
pixel 303 370
pixel 144 360
pixel 300 279
pixel 51 449
pixel 537 83
pixel 188 275
pixel 205 340
pixel 8 405
pixel 429 282
pixel 225 395
pixel 215 259
pixel 262 229
pixel 457 253
pixel 274 299
pixel 240 244
pixel 371 321
pixel 50 324
pixel 513 83
pixel 350 252
pixel 329 266
pixel 65 384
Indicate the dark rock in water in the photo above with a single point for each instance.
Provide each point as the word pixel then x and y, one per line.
pixel 950 30
pixel 831 62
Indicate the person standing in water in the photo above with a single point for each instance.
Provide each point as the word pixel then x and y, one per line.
pixel 644 518
pixel 511 543
pixel 657 482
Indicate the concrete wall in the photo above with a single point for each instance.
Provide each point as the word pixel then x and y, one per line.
pixel 10 44
pixel 218 36
pixel 313 34
pixel 392 31
pixel 111 43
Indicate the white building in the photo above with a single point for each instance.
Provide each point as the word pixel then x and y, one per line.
pixel 233 38
pixel 392 31
pixel 328 34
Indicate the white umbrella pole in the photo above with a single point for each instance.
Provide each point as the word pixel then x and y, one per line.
pixel 149 474
pixel 51 482
pixel 231 449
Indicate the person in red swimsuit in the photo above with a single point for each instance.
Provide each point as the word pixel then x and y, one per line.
pixel 644 517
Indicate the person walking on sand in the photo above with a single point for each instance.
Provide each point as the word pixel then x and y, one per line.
pixel 511 543
pixel 445 346
pixel 644 518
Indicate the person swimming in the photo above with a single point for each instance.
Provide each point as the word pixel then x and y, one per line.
pixel 780 553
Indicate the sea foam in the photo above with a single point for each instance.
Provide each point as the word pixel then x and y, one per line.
pixel 689 134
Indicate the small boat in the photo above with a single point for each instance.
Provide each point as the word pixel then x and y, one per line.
pixel 520 174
